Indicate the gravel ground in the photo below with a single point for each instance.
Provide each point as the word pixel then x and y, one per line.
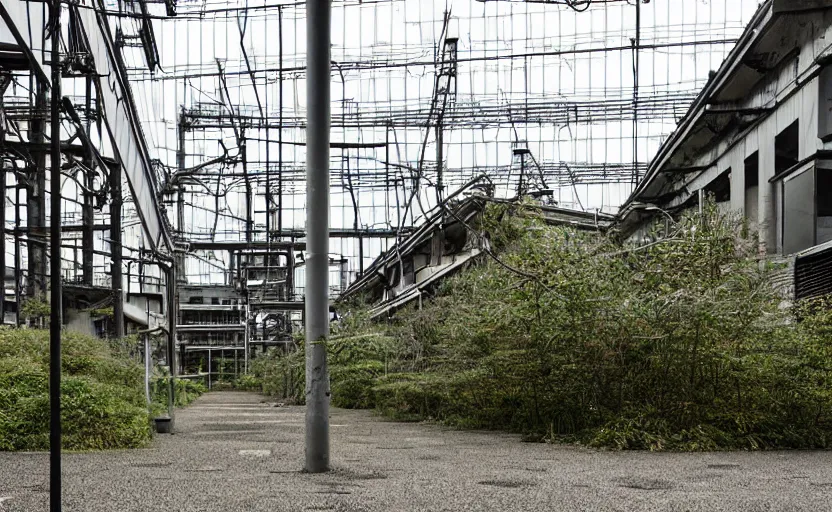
pixel 234 452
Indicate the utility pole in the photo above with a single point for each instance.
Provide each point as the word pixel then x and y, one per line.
pixel 318 23
pixel 55 270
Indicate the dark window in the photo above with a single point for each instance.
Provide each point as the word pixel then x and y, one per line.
pixel 786 148
pixel 824 192
pixel 823 195
pixel 409 276
pixel 798 212
pixel 752 186
pixel 720 188
pixel 752 171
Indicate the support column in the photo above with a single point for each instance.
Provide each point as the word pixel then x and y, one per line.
pixel 87 213
pixel 36 204
pixel 115 251
pixel 318 24
pixel 766 199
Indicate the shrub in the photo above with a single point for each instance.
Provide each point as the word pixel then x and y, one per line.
pixel 185 391
pixel 103 405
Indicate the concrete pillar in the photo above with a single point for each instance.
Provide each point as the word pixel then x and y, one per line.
pixel 766 199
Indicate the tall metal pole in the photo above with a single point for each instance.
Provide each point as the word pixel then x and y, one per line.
pixel 55 273
pixel 318 23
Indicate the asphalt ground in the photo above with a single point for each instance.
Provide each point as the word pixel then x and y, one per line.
pixel 239 452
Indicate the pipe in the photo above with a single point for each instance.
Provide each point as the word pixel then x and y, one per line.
pixel 55 270
pixel 318 23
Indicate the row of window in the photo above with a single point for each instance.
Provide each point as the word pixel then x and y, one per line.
pixel 803 198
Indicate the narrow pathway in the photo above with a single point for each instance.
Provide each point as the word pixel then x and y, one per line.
pixel 238 452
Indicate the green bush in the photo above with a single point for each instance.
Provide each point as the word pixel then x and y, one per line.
pixel 248 382
pixel 681 344
pixel 103 405
pixel 185 391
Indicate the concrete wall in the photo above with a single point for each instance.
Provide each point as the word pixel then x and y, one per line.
pixel 79 321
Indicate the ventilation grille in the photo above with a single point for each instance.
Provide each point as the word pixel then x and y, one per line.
pixel 813 275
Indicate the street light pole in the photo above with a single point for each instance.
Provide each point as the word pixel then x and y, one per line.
pixel 318 22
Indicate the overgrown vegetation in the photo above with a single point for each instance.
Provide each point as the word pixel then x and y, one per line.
pixel 682 344
pixel 184 393
pixel 36 311
pixel 103 405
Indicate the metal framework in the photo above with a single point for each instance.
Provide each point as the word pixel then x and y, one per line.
pixel 177 139
pixel 183 141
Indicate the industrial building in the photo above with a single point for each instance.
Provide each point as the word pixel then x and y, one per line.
pixel 757 140
pixel 183 137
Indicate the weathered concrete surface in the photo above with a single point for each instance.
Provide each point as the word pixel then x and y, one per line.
pixel 234 453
